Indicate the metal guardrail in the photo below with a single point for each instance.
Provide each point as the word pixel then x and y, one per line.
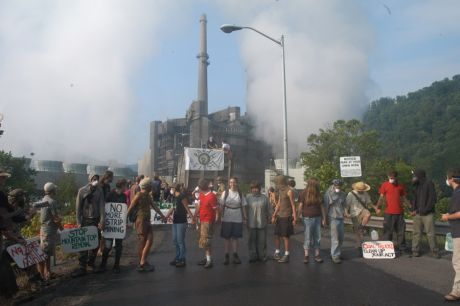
pixel 442 228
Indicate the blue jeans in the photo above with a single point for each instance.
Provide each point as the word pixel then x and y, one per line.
pixel 337 233
pixel 179 230
pixel 312 232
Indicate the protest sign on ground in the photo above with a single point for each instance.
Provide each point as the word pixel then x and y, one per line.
pixel 27 255
pixel 378 250
pixel 79 239
pixel 115 220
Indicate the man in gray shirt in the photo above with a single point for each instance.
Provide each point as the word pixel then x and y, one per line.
pixel 90 210
pixel 334 204
pixel 258 216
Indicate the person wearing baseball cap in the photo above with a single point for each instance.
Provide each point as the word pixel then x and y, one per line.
pixel 50 222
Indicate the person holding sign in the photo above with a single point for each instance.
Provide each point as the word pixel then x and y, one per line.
pixel 90 211
pixel 394 193
pixel 357 203
pixel 179 210
pixel 142 203
pixel 453 217
pixel 115 196
pixel 50 223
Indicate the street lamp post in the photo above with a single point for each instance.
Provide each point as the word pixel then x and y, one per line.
pixel 228 28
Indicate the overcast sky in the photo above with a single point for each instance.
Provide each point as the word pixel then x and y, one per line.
pixel 81 80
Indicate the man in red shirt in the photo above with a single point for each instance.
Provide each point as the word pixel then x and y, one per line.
pixel 207 210
pixel 394 194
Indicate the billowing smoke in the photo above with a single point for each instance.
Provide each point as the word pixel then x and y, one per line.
pixel 327 48
pixel 67 70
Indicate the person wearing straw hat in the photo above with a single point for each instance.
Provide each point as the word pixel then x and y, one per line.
pixel 357 203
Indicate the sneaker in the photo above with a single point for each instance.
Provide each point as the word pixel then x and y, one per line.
pixel 180 264
pixel 226 260
pixel 318 259
pixel 202 262
pixel 173 263
pixel 140 268
pixel 236 259
pixel 79 272
pixel 336 259
pixel 284 259
pixel 208 264
pixel 276 256
pixel 305 259
pixel 148 267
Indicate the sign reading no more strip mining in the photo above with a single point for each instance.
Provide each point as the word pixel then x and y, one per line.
pixel 79 239
pixel 115 220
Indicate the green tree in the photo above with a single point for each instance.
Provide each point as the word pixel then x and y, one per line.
pixel 21 175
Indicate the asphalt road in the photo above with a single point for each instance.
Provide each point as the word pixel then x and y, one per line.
pixel 357 281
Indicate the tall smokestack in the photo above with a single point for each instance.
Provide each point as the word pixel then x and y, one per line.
pixel 203 69
pixel 198 111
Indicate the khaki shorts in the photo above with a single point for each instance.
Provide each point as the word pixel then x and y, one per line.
pixel 48 243
pixel 143 228
pixel 358 220
pixel 206 233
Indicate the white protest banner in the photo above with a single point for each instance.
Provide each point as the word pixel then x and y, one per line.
pixel 27 255
pixel 378 250
pixel 79 239
pixel 350 166
pixel 156 219
pixel 204 159
pixel 115 220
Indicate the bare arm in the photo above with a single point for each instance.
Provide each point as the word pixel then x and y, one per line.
pixel 291 199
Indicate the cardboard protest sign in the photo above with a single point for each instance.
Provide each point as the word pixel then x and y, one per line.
pixel 378 250
pixel 79 239
pixel 115 220
pixel 27 255
pixel 350 166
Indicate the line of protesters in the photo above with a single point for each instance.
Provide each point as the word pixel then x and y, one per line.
pixel 234 211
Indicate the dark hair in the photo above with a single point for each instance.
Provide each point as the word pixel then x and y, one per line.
pixel 203 184
pixel 271 189
pixel 454 173
pixel 120 183
pixel 392 173
pixel 291 183
pixel 179 187
pixel 255 184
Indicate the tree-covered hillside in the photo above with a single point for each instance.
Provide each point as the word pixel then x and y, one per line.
pixel 421 128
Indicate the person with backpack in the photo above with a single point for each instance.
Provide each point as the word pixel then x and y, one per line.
pixel 358 202
pixel 233 210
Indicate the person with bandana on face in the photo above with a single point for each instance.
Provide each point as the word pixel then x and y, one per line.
pixel 423 212
pixel 90 211
pixel 394 194
pixel 334 204
pixel 453 217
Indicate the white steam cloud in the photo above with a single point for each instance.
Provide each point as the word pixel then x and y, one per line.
pixel 67 69
pixel 327 48
pixel 66 72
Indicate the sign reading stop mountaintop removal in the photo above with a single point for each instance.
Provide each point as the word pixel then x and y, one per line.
pixel 350 166
pixel 27 255
pixel 115 220
pixel 79 239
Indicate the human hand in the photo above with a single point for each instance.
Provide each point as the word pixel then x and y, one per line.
pixel 378 211
pixel 324 222
pixel 413 213
pixel 445 217
pixel 101 226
